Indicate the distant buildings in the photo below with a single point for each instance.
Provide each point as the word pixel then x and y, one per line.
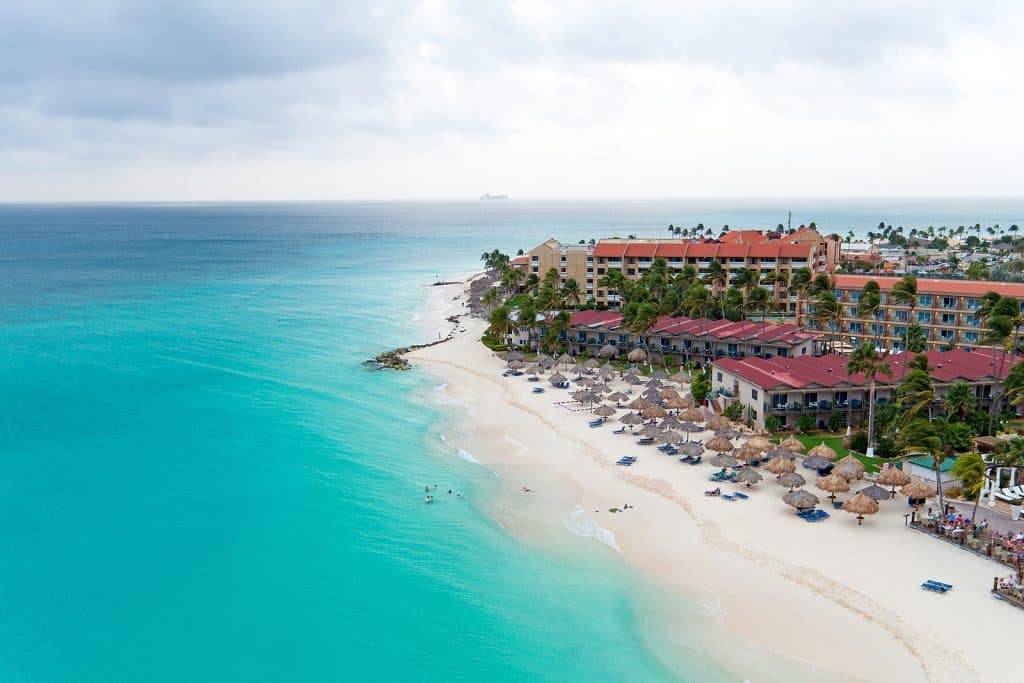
pixel 946 310
pixel 818 385
pixel 766 253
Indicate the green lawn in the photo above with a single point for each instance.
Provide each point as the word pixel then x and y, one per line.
pixel 835 442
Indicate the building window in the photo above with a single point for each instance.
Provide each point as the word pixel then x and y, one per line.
pixel 854 296
pixel 901 315
pixel 924 317
pixel 924 300
pixel 971 336
pixel 855 327
pixel 719 377
pixel 971 320
pixel 753 394
pixel 973 303
pixel 899 330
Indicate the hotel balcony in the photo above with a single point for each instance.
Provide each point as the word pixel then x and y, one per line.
pixel 769 264
pixel 614 264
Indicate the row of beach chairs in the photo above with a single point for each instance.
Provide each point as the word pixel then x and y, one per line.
pixel 626 460
pixel 812 515
pixel 936 586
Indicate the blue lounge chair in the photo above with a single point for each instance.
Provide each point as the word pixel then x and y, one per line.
pixel 696 460
pixel 664 447
pixel 729 497
pixel 620 430
pixel 646 441
pixel 538 390
pixel 936 586
pixel 741 495
pixel 596 423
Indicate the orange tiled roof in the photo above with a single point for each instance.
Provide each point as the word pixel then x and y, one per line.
pixel 934 285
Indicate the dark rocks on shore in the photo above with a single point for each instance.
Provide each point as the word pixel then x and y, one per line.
pixel 395 360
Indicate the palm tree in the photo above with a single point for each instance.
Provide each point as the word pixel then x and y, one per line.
pixel 905 292
pixel 511 278
pixel 643 318
pixel 916 392
pixel 489 298
pixel 615 281
pixel 717 278
pixel 828 313
pixel 799 282
pixel 921 436
pixel 571 293
pixel 502 325
pixel 959 399
pixel 866 360
pixel 1002 327
pixel 527 319
pixel 870 302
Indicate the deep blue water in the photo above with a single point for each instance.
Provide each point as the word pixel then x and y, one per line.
pixel 198 480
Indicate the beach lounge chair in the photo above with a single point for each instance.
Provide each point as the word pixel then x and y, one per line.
pixel 729 497
pixel 538 390
pixel 664 447
pixel 696 460
pixel 936 586
pixel 685 459
pixel 646 441
pixel 713 492
pixel 620 430
pixel 741 495
pixel 672 451
pixel 596 423
pixel 837 504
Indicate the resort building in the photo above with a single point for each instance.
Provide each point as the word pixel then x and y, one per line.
pixel 946 310
pixel 773 255
pixel 818 385
pixel 680 339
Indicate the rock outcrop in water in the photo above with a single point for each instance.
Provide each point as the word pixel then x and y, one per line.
pixel 395 359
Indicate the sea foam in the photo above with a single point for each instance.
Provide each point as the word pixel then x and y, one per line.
pixel 579 524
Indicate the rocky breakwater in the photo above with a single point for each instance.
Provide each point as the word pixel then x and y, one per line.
pixel 395 359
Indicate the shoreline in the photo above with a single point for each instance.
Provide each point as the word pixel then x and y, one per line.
pixel 840 599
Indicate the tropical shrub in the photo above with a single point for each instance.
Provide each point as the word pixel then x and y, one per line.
pixel 957 436
pixel 733 411
pixel 772 423
pixel 969 468
pixel 836 421
pixel 700 387
pixel 859 442
pixel 805 423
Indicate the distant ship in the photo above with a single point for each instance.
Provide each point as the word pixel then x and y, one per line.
pixel 487 196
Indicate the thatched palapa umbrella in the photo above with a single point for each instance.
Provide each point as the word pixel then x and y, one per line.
pixel 861 505
pixel 607 351
pixel 760 443
pixel 633 379
pixel 514 355
pixel 893 476
pixel 723 460
pixel 824 451
pixel 533 370
pixel 565 359
pixel 780 465
pixel 728 433
pixel 558 378
pixel 607 372
pixel 875 492
pixel 834 484
pixel 604 411
pixel 631 419
pixel 651 430
pixel 637 356
pixel 800 499
pixel 651 395
pixel 748 476
pixel 720 444
pixel 515 364
pixel 591 364
pixel 677 403
pixel 791 480
pixel 747 454
pixel 669 392
pixel 653 411
pixel 692 414
pixel 660 373
pixel 640 403
pixel 618 397
pixel 917 491
pixel 691 448
pixel 719 422
pixel 793 444
pixel 780 453
pixel 816 462
pixel 850 468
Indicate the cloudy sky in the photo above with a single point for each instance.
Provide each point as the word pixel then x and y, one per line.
pixel 299 99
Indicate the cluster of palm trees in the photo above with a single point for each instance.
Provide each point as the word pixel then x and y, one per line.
pixel 520 300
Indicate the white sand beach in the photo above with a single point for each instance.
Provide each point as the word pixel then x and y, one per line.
pixel 835 596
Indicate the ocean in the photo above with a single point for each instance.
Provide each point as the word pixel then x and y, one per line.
pixel 199 480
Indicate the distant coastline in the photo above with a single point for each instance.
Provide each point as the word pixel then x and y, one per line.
pixel 487 196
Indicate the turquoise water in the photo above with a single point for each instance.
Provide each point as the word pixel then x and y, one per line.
pixel 199 481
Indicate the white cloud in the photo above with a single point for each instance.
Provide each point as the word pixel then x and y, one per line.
pixel 130 100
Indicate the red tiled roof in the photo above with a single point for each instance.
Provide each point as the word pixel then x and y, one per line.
pixel 520 261
pixel 744 237
pixel 588 318
pixel 806 372
pixel 935 286
pixel 767 249
pixel 747 330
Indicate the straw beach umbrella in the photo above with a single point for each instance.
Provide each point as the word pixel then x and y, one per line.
pixel 633 379
pixel 604 411
pixel 618 397
pixel 824 451
pixel 692 414
pixel 558 378
pixel 637 356
pixel 723 460
pixel 607 351
pixel 875 492
pixel 861 505
pixel 780 465
pixel 514 355
pixel 607 372
pixel 660 373
pixel 800 499
pixel 729 433
pixel 893 476
pixel 565 359
pixel 691 448
pixel 631 419
pixel 791 443
pixel 669 392
pixel 850 468
pixel 917 491
pixel 651 430
pixel 591 364
pixel 780 453
pixel 653 384
pixel 653 411
pixel 760 443
pixel 719 422
pixel 748 476
pixel 533 370
pixel 677 403
pixel 834 484
pixel 747 454
pixel 816 462
pixel 640 403
pixel 791 480
pixel 515 364
pixel 651 395
pixel 720 444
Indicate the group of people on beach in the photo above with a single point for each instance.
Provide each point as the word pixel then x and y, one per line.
pixel 429 497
